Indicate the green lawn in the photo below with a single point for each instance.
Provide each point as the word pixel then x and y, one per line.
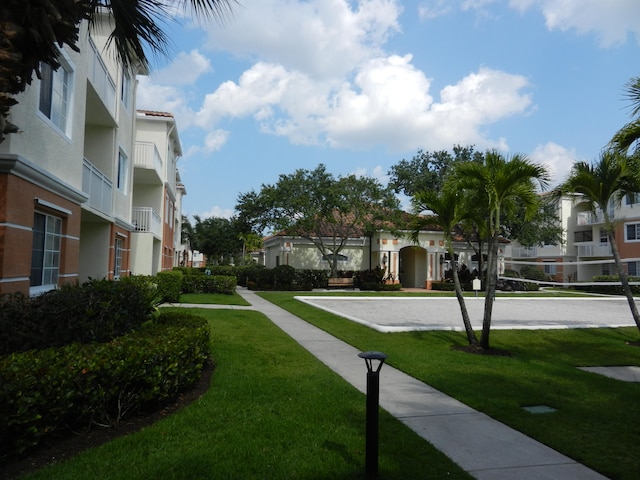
pixel 273 411
pixel 597 421
pixel 213 298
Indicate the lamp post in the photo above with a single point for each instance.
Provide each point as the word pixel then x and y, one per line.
pixel 373 394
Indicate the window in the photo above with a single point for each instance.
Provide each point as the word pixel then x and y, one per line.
pixel 632 199
pixel 55 94
pixel 549 267
pixel 123 169
pixel 125 89
pixel 603 236
pixel 632 232
pixel 45 250
pixel 584 236
pixel 117 262
pixel 633 269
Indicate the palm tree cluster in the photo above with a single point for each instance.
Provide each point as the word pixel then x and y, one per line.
pixel 31 31
pixel 475 194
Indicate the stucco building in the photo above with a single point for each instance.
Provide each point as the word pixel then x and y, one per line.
pixel 67 177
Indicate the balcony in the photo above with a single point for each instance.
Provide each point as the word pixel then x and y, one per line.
pixel 524 252
pixel 148 163
pixel 101 80
pixel 146 219
pixel 535 252
pixel 98 186
pixel 594 249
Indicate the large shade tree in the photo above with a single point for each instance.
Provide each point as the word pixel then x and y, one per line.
pixel 607 180
pixel 322 208
pixel 220 239
pixel 495 184
pixel 31 31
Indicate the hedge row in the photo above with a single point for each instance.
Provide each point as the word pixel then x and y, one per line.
pixel 96 311
pixel 608 289
pixel 77 386
pixel 172 283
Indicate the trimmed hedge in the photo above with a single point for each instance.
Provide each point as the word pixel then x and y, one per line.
pixel 78 386
pixel 608 289
pixel 96 311
pixel 170 285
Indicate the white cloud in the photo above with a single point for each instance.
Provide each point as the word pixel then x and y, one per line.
pixel 185 69
pixel 153 96
pixel 434 9
pixel 610 21
pixel 167 89
pixel 557 159
pixel 386 103
pixel 215 140
pixel 216 211
pixel 322 38
pixel 324 78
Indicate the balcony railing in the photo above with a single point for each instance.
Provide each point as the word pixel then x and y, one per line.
pixel 594 249
pixel 146 219
pixel 101 79
pixel 524 252
pixel 146 155
pixel 534 252
pixel 98 186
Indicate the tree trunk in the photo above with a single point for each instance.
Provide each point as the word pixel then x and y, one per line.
pixel 471 336
pixel 492 274
pixel 624 280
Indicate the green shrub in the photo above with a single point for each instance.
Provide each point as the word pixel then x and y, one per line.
pixel 533 273
pixel 608 289
pixel 310 279
pixel 248 273
pixel 283 277
pixel 77 386
pixel 443 286
pixel 369 279
pixel 170 285
pixel 96 311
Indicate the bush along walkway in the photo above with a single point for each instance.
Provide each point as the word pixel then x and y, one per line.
pixel 484 447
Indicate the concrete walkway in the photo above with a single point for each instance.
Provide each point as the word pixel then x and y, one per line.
pixel 484 447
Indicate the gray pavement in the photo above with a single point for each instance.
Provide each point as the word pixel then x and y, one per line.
pixel 484 447
pixel 398 314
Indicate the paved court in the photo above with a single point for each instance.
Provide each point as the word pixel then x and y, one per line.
pixel 403 314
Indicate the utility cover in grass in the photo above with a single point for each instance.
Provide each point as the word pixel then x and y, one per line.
pixel 539 409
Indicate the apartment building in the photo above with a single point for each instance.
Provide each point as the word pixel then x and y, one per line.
pixel 157 194
pixel 67 178
pixel 585 250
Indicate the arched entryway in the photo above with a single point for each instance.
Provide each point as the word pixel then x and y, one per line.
pixel 413 266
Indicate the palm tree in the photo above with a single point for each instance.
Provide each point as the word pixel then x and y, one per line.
pixel 629 135
pixel 32 30
pixel 449 211
pixel 609 179
pixel 495 184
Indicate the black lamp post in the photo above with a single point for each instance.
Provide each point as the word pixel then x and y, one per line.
pixel 373 394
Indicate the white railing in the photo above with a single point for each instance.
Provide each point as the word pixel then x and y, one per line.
pixel 524 252
pixel 146 155
pixel 591 218
pixel 98 186
pixel 594 249
pixel 146 219
pixel 101 79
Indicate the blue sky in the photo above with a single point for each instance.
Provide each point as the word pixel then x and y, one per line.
pixel 359 86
